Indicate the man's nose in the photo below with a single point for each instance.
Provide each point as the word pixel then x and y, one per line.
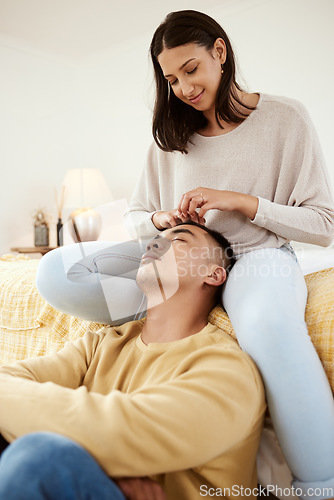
pixel 159 244
pixel 150 246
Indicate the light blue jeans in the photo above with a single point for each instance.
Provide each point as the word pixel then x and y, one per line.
pixel 265 297
pixel 47 466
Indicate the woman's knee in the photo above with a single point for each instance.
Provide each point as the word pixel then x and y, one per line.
pixel 83 298
pixel 74 287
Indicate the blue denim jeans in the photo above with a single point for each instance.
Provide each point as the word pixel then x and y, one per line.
pixel 48 466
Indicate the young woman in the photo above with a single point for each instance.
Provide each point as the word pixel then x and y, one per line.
pixel 251 165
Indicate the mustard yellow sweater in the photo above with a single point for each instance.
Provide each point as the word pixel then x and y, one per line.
pixel 187 413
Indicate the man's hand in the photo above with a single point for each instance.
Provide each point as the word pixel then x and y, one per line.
pixel 140 488
pixel 166 219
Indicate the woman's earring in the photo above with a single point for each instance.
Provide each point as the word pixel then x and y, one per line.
pixel 222 67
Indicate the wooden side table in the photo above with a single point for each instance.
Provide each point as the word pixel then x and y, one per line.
pixel 42 250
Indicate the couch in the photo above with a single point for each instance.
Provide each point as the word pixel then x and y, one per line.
pixel 29 326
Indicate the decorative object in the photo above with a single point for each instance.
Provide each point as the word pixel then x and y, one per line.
pixel 86 188
pixel 60 205
pixel 41 228
pixel 59 233
pixel 86 224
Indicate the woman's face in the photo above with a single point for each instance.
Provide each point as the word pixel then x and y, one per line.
pixel 194 73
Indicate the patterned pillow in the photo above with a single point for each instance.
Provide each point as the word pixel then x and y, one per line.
pixel 319 317
pixel 29 326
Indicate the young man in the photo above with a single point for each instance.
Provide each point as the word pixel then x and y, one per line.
pixel 171 397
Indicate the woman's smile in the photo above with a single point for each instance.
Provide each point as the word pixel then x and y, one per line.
pixel 197 98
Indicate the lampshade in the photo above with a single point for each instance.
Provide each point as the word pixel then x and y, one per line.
pixel 85 187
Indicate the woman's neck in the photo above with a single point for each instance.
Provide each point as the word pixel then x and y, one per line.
pixel 213 128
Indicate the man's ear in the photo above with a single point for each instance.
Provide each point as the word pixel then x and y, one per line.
pixel 216 277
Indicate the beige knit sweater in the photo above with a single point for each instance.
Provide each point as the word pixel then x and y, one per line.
pixel 274 155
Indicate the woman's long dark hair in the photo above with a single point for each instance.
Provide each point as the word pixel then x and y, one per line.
pixel 173 120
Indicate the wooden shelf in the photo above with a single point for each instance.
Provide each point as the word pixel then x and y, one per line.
pixel 42 250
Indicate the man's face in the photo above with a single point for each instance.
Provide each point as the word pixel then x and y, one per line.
pixel 178 258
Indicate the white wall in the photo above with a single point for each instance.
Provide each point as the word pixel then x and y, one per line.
pixel 35 137
pixel 285 47
pixel 95 112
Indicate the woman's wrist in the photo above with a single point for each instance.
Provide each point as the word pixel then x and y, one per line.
pixel 155 223
pixel 247 205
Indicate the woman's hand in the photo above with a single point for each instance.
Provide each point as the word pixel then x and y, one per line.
pixel 208 199
pixel 141 488
pixel 171 218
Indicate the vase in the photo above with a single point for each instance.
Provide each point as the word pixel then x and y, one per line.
pixel 41 236
pixel 59 233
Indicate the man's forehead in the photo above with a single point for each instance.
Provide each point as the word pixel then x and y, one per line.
pixel 193 231
pixel 183 230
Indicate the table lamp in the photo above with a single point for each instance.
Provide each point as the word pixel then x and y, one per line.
pixel 85 189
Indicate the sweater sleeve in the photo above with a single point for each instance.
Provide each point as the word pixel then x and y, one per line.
pixel 145 200
pixel 66 367
pixel 308 213
pixel 175 425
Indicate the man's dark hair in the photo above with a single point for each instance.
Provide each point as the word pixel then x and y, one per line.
pixel 228 254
